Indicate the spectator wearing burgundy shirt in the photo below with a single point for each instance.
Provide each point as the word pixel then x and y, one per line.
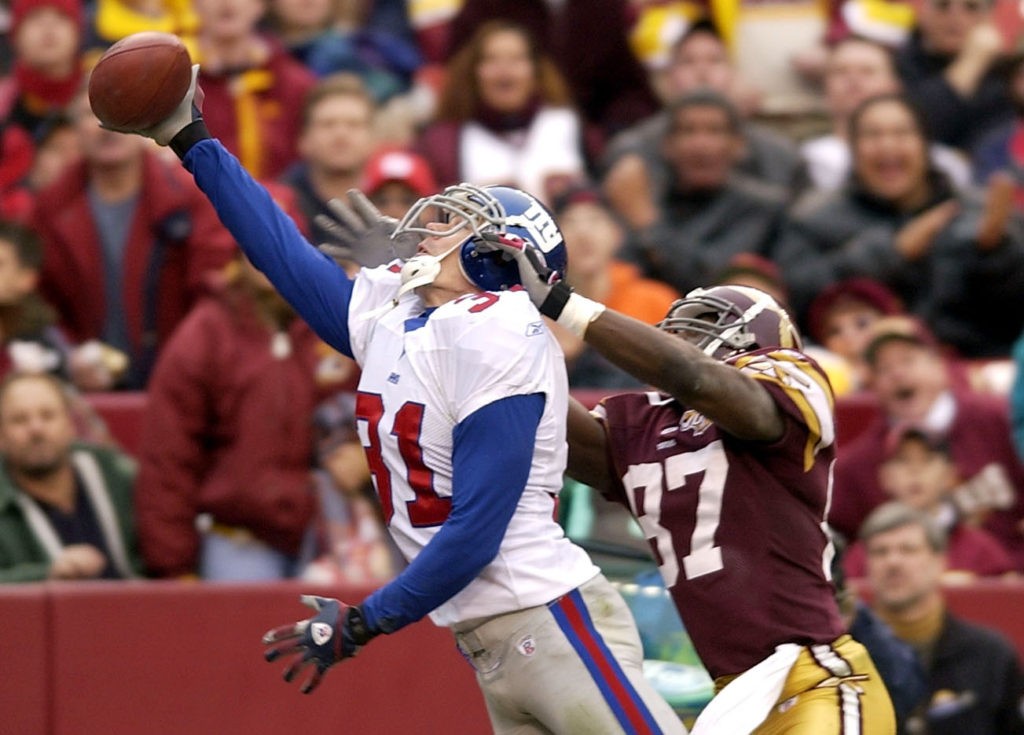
pixel 912 382
pixel 919 472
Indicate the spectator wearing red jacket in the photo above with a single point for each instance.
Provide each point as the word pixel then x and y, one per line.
pixel 127 238
pixel 225 486
pixel 254 88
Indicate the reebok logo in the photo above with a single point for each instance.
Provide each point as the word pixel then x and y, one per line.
pixel 527 646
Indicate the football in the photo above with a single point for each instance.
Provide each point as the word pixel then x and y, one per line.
pixel 140 80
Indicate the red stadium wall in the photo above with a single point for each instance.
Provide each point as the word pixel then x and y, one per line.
pixel 167 658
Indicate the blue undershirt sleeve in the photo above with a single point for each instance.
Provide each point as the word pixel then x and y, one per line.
pixel 316 287
pixel 493 450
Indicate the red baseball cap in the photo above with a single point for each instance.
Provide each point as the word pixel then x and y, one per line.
pixel 401 165
pixel 868 291
pixel 74 9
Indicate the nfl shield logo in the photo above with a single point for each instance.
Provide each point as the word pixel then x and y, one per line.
pixel 321 633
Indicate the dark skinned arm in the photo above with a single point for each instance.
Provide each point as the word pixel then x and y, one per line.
pixel 588 454
pixel 734 401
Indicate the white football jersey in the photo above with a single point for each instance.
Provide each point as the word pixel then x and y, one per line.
pixel 420 378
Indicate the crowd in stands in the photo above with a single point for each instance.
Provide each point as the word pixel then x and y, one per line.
pixel 863 160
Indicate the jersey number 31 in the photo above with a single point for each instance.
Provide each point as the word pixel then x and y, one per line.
pixel 428 508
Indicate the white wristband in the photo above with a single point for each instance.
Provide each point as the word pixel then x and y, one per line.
pixel 578 313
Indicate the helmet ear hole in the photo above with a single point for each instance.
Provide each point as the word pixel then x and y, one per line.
pixel 490 270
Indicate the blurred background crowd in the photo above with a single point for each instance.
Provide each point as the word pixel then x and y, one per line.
pixel 862 160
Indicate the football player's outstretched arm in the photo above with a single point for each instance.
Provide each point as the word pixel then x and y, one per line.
pixel 734 401
pixel 588 454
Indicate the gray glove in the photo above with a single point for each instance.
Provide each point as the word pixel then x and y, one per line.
pixel 362 234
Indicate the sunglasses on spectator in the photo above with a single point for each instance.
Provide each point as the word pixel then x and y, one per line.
pixel 971 6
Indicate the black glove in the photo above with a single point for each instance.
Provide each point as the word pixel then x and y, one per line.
pixel 362 234
pixel 337 632
pixel 552 296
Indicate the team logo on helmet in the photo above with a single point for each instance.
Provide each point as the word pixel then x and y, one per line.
pixel 727 320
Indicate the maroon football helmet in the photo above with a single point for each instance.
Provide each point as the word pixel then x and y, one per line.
pixel 726 320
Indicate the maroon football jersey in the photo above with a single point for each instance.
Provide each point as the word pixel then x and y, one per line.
pixel 737 527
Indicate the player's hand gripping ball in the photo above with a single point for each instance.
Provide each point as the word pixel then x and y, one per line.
pixel 139 81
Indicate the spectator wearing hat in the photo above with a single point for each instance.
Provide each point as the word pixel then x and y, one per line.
pixel 839 321
pixel 710 211
pixel 335 142
pixel 756 271
pixel 918 471
pixel 912 383
pixel 394 178
pixel 595 240
pixel 47 72
pixel 352 543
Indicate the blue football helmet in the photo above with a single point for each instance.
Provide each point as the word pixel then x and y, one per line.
pixel 500 209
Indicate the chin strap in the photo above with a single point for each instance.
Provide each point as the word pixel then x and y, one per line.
pixel 421 270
